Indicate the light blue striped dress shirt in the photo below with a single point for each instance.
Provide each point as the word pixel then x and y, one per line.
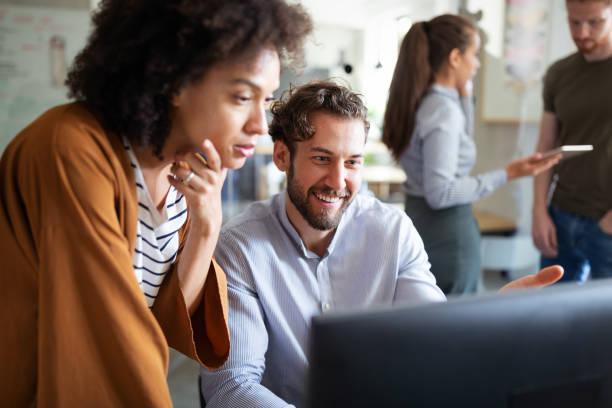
pixel 276 285
pixel 441 153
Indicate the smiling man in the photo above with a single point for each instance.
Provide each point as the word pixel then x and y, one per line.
pixel 317 247
pixel 575 230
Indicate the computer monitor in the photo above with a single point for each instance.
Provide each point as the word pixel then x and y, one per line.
pixel 540 348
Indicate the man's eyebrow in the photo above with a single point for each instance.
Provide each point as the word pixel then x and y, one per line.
pixel 321 150
pixel 326 151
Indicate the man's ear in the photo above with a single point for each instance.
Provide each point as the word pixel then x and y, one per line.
pixel 281 156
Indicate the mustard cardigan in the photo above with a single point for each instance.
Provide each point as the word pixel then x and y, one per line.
pixel 76 329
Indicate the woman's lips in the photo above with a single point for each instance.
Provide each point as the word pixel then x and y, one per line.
pixel 246 150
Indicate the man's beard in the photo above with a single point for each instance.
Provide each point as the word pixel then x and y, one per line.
pixel 322 220
pixel 592 46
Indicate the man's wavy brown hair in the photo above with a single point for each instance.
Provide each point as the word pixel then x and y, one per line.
pixel 291 113
pixel 142 52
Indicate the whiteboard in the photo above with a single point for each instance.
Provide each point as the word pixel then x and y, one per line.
pixel 37 45
pixel 531 34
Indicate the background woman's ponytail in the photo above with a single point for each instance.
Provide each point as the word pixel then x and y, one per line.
pixel 423 53
pixel 411 79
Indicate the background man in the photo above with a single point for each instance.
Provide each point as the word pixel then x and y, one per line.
pixel 575 231
pixel 315 248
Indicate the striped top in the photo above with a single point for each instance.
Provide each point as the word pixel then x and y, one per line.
pixel 157 238
pixel 441 153
pixel 276 285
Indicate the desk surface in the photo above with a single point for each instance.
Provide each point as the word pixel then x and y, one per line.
pixel 492 224
pixel 383 174
pixel 488 223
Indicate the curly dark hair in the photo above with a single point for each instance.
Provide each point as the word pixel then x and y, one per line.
pixel 142 52
pixel 291 112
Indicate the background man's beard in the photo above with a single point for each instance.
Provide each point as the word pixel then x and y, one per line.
pixel 595 44
pixel 587 49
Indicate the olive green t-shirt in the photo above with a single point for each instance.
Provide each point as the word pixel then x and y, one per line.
pixel 579 93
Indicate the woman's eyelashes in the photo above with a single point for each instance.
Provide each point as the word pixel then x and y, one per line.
pixel 242 99
pixel 245 98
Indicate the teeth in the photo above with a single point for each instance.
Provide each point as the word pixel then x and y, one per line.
pixel 328 198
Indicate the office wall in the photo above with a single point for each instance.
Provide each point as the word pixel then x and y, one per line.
pixel 38 41
pixel 76 4
pixel 498 143
pixel 331 46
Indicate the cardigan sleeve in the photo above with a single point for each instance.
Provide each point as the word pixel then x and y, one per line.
pixel 204 336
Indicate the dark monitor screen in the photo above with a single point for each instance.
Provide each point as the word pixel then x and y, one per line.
pixel 545 348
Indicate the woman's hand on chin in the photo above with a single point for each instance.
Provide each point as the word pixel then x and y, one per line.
pixel 200 181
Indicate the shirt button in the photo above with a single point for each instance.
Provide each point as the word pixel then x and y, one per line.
pixel 326 306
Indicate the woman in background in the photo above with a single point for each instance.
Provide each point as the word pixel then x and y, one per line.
pixel 428 128
pixel 109 214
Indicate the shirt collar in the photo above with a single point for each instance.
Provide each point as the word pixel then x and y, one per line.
pixel 290 229
pixel 445 91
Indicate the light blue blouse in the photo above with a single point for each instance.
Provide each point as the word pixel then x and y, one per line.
pixel 442 152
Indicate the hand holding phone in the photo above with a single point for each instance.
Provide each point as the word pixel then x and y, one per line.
pixel 531 165
pixel 568 151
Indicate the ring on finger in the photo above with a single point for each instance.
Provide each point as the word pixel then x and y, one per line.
pixel 189 177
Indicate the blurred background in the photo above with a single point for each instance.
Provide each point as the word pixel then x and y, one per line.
pixel 355 41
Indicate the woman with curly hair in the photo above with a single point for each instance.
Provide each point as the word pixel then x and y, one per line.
pixel 428 127
pixel 111 205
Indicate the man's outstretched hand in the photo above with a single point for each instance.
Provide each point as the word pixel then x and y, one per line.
pixel 545 277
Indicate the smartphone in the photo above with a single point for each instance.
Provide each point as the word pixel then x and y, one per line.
pixel 568 151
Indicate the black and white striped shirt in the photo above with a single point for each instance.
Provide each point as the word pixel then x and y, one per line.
pixel 157 239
